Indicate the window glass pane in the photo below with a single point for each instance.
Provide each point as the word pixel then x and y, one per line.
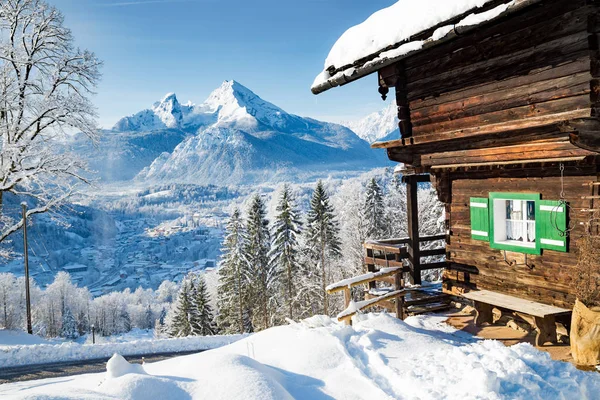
pixel 531 210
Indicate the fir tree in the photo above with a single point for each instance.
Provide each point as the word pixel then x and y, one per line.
pixel 374 212
pixel 284 250
pixel 148 318
pixel 160 328
pixel 179 323
pixel 234 277
pixel 202 319
pixel 322 236
pixel 83 324
pixel 257 256
pixel 69 325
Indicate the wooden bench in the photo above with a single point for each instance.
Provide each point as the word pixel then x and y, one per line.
pixel 541 316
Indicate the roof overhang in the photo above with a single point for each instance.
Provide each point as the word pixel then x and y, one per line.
pixel 406 48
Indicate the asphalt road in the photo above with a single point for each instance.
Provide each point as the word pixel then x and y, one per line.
pixel 56 370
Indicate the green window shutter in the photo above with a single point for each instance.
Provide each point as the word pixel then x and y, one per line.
pixel 551 221
pixel 480 219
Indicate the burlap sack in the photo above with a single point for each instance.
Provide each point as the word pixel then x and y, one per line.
pixel 585 334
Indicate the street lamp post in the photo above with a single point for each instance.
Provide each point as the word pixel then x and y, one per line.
pixel 26 256
pixel 93 334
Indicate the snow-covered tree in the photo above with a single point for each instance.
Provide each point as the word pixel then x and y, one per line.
pixel 374 212
pixel 262 277
pixel 323 237
pixel 8 308
pixel 234 277
pixel 69 326
pixel 202 319
pixel 284 250
pixel 148 318
pixel 45 85
pixel 178 323
pixel 396 207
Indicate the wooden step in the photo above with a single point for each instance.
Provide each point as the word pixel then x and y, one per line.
pixel 425 308
pixel 437 298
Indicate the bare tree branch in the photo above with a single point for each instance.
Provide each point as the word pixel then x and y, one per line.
pixel 44 87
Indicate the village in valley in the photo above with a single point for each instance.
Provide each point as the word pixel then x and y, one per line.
pixel 418 216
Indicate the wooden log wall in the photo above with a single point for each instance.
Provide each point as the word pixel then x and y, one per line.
pixel 546 278
pixel 531 69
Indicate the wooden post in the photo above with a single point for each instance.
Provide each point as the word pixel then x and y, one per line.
pixel 414 253
pixel 347 299
pixel 370 253
pixel 398 285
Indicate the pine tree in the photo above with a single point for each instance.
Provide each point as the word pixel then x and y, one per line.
pixel 202 319
pixel 234 278
pixel 148 318
pixel 69 325
pixel 160 328
pixel 256 251
pixel 284 250
pixel 179 323
pixel 83 324
pixel 322 236
pixel 374 212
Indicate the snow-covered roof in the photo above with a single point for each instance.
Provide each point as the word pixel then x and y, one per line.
pixel 405 27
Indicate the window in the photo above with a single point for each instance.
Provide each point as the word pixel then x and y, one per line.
pixel 514 222
pixel 520 222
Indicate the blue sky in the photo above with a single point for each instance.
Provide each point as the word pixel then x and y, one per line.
pixel 274 47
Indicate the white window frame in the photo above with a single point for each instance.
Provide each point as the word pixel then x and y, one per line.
pixel 500 222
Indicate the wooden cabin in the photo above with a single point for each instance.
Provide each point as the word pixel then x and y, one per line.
pixel 499 106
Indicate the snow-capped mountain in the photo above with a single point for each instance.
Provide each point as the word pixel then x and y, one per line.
pixel 381 125
pixel 240 138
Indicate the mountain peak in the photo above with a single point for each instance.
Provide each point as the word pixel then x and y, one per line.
pixel 230 105
pixel 238 105
pixel 376 126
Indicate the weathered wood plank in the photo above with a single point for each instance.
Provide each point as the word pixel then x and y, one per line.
pixel 515 303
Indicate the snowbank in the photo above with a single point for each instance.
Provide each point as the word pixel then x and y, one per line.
pixel 118 366
pixel 13 338
pixel 379 357
pixel 13 356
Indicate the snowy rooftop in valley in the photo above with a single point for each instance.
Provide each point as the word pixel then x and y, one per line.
pixel 389 35
pixel 380 357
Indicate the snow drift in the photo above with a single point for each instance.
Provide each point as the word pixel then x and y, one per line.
pixel 18 355
pixel 379 357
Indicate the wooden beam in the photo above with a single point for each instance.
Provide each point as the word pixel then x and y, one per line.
pixel 362 305
pixel 362 279
pixel 405 124
pixel 421 178
pixel 522 161
pixel 436 265
pixel 552 149
pixel 412 204
pixel 381 262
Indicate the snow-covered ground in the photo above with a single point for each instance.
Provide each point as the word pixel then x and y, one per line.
pixel 15 338
pixel 379 357
pixel 18 355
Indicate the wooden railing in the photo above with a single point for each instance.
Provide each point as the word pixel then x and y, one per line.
pixel 397 253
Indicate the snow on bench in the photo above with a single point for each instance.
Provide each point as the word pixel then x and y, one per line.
pixel 359 280
pixel 355 307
